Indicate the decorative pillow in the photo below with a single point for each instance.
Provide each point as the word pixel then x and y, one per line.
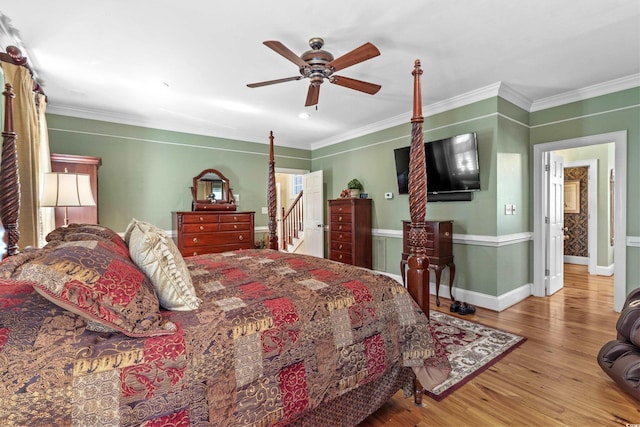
pixel 90 279
pixel 155 253
pixel 74 232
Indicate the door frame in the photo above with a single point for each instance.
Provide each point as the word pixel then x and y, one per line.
pixel 592 223
pixel 619 139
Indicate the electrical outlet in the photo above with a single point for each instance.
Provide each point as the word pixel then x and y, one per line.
pixel 264 210
pixel 388 196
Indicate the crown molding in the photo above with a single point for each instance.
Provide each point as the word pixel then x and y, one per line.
pixel 405 118
pixel 617 85
pixel 128 119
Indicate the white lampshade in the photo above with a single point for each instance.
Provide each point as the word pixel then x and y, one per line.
pixel 66 189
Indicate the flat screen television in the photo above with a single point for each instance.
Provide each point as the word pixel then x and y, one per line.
pixel 452 165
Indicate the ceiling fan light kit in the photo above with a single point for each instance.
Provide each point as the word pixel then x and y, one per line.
pixel 318 64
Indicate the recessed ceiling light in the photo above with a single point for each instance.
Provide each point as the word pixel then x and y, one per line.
pixel 303 115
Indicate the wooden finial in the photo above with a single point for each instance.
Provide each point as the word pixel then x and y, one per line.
pixel 417 93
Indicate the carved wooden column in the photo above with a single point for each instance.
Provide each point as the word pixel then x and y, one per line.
pixel 272 199
pixel 418 263
pixel 9 179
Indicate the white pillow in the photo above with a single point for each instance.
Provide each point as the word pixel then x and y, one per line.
pixel 158 257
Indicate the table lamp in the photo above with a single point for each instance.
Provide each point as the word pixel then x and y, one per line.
pixel 66 190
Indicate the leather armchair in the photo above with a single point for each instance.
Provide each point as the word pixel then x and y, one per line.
pixel 620 358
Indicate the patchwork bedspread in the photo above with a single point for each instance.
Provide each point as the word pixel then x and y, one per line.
pixel 276 336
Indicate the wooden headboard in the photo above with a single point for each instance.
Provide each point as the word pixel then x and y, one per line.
pixel 417 274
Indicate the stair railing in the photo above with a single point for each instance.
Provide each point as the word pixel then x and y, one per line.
pixel 292 222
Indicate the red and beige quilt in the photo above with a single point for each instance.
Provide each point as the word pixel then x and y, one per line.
pixel 276 337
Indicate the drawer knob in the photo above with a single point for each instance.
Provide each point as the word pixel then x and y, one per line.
pixel 340 256
pixel 235 218
pixel 340 228
pixel 340 247
pixel 202 227
pixel 195 240
pixel 195 253
pixel 235 226
pixel 446 234
pixel 339 218
pixel 339 209
pixel 240 237
pixel 341 236
pixel 201 219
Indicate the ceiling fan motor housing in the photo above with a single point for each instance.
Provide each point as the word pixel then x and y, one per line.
pixel 317 59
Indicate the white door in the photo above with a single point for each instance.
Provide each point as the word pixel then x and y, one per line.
pixel 554 271
pixel 313 208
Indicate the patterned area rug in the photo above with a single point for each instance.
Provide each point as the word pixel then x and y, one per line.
pixel 470 347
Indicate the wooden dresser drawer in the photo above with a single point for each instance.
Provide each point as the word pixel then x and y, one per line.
pixel 341 208
pixel 340 236
pixel 341 218
pixel 341 256
pixel 208 239
pixel 341 246
pixel 235 218
pixel 234 226
pixel 200 228
pixel 200 218
pixel 201 250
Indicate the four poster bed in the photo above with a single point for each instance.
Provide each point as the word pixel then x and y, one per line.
pixel 99 329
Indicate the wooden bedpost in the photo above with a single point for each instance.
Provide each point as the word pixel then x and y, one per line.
pixel 272 197
pixel 9 179
pixel 418 263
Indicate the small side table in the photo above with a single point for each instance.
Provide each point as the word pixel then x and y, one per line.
pixel 439 250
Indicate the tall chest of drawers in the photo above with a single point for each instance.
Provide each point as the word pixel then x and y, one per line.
pixel 350 231
pixel 202 232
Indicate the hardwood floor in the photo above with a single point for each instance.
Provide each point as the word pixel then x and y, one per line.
pixel 553 379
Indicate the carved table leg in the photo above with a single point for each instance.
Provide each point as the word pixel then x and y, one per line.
pixel 438 271
pixel 452 274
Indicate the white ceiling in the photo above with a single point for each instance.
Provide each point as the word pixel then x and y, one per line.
pixel 184 65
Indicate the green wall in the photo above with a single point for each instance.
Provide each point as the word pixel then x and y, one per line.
pixel 147 173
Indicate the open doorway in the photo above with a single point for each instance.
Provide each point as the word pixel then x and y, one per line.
pixel 619 139
pixel 581 211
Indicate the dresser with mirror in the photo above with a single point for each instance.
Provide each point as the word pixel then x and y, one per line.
pixel 214 224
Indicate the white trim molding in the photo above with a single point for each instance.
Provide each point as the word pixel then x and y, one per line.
pixel 468 239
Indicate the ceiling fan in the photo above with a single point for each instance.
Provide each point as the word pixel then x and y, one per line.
pixel 317 65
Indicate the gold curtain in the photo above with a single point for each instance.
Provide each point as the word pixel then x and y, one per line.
pixel 47 217
pixel 25 118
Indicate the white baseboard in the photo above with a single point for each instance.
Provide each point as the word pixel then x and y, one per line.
pixel 478 299
pixel 605 270
pixel 580 260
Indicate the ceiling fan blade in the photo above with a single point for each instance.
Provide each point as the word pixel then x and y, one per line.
pixel 272 82
pixel 312 95
pixel 365 87
pixel 357 55
pixel 286 52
